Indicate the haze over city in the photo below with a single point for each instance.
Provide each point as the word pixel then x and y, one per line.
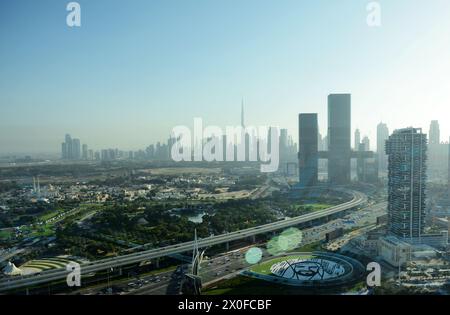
pixel 241 149
pixel 125 78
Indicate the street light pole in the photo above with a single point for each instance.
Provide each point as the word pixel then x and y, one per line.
pixel 109 286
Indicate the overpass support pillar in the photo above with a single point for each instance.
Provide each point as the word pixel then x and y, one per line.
pixel 253 238
pixel 157 262
pixel 227 246
pixel 120 271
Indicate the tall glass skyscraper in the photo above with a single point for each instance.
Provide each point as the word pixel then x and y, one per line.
pixel 339 133
pixel 407 156
pixel 308 149
pixel 382 136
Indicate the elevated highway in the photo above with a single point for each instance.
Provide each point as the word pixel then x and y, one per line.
pixel 12 283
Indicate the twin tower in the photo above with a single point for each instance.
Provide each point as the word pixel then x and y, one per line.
pixel 339 152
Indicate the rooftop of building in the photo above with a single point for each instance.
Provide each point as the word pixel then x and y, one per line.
pixel 408 130
pixel 391 239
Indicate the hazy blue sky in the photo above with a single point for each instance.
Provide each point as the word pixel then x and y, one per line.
pixel 134 69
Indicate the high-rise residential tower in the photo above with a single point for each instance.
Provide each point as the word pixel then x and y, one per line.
pixel 407 156
pixel 357 140
pixel 308 149
pixel 339 138
pixel 382 136
pixel 435 134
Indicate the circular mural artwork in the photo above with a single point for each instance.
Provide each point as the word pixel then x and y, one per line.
pixel 308 269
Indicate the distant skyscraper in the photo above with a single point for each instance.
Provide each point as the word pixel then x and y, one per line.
pixel 84 154
pixel 69 149
pixel 339 138
pixel 407 152
pixel 366 167
pixel 320 142
pixel 90 154
pixel 76 149
pixel 357 139
pixel 308 149
pixel 224 147
pixel 104 155
pixel 382 136
pixel 437 152
pixel 360 163
pixel 283 145
pixel 366 143
pixel 435 133
pixel 64 151
pixel 325 143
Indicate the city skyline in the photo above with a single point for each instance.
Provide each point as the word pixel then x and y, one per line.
pixel 225 148
pixel 356 138
pixel 83 151
pixel 111 86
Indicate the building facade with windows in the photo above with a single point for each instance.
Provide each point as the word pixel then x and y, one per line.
pixel 407 156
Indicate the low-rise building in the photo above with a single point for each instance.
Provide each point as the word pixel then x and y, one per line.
pixel 394 251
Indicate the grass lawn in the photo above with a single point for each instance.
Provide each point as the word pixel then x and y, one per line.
pixel 311 247
pixel 320 206
pixel 264 267
pixel 314 206
pixel 43 231
pixel 6 234
pixel 49 215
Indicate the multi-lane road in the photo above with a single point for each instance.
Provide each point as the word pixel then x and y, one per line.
pixel 228 265
pixel 95 266
pixel 169 282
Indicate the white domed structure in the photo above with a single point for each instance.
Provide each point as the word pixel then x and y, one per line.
pixel 11 270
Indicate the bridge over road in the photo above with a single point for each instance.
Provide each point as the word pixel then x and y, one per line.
pixel 88 268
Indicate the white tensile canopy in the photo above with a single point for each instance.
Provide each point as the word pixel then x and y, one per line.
pixel 11 270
